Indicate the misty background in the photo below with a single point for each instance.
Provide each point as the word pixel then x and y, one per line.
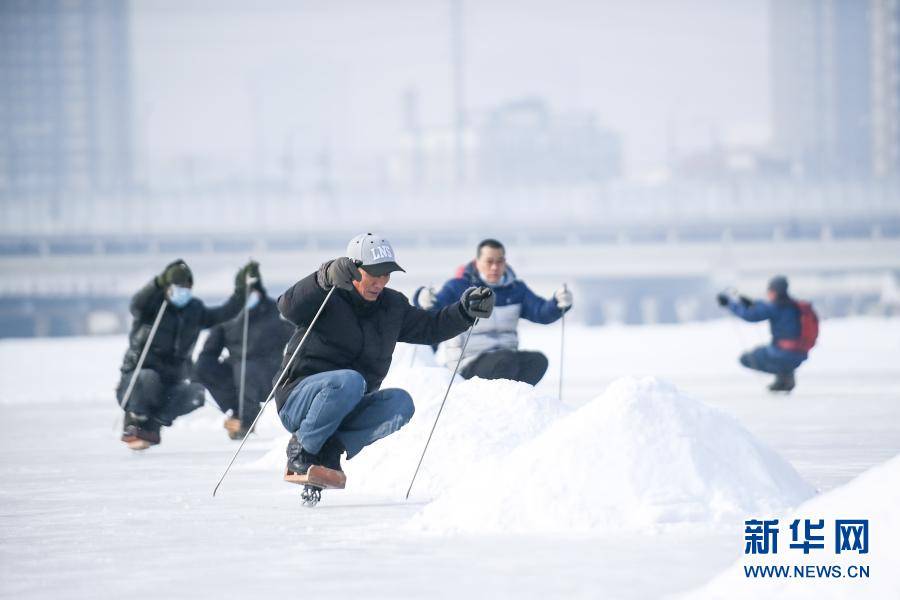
pixel 646 153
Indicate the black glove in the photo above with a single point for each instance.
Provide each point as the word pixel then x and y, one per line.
pixel 176 272
pixel 249 274
pixel 478 302
pixel 747 302
pixel 340 272
pixel 722 298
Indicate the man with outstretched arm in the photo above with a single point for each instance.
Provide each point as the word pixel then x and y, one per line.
pixel 493 351
pixel 794 328
pixel 331 399
pixel 162 390
pixel 218 366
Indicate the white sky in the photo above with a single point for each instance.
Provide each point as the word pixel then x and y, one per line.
pixel 210 74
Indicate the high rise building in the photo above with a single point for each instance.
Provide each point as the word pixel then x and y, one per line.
pixel 65 99
pixel 821 83
pixel 886 87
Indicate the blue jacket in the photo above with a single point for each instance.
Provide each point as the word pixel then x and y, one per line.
pixel 783 316
pixel 513 300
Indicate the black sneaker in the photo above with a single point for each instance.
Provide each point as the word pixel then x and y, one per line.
pixel 132 434
pixel 299 460
pixel 140 428
pixel 784 382
pixel 134 419
pixel 331 454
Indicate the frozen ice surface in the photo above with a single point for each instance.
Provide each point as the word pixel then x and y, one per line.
pixel 82 517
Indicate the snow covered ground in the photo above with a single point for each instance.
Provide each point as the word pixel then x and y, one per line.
pixel 82 517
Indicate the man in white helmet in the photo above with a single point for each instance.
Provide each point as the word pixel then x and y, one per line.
pixel 331 399
pixel 493 349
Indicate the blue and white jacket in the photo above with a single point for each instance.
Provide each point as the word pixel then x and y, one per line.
pixel 512 301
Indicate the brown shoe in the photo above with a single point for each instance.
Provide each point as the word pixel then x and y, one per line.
pixel 236 430
pixel 140 439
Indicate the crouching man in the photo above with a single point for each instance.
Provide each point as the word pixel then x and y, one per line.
pixel 218 367
pixel 794 325
pixel 162 390
pixel 331 399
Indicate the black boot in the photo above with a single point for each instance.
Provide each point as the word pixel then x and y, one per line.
pixel 784 382
pixel 331 454
pixel 133 420
pixel 299 460
pixel 140 428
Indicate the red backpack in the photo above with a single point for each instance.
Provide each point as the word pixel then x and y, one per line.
pixel 809 329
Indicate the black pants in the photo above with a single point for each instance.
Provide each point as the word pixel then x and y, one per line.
pixel 223 379
pixel 518 365
pixel 159 400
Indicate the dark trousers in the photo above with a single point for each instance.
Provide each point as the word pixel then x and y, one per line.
pixel 223 380
pixel 518 365
pixel 772 359
pixel 159 400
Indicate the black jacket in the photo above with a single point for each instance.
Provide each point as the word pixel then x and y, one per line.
pixel 267 333
pixel 352 333
pixel 172 347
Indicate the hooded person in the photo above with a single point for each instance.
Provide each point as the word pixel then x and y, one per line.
pixel 218 367
pixel 784 354
pixel 331 399
pixel 493 349
pixel 162 389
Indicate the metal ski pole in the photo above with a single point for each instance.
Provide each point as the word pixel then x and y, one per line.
pixel 734 324
pixel 248 281
pixel 281 377
pixel 462 353
pixel 740 334
pixel 140 363
pixel 562 348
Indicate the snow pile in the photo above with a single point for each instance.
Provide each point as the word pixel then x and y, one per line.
pixel 874 495
pixel 482 421
pixel 640 457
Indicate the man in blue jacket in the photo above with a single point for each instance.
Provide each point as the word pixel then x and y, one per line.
pixel 493 349
pixel 783 315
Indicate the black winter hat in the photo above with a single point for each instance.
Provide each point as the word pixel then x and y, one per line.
pixel 779 285
pixel 180 274
pixel 258 285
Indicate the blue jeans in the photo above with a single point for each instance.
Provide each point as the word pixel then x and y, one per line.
pixel 772 359
pixel 336 403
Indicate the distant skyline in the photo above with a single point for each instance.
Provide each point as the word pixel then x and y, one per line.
pixel 232 86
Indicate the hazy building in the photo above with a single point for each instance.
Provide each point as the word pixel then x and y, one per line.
pixel 65 116
pixel 524 143
pixel 886 87
pixel 821 68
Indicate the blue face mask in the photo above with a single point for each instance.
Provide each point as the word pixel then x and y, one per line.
pixel 252 300
pixel 179 296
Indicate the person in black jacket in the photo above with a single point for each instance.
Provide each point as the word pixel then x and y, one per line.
pixel 267 333
pixel 162 391
pixel 331 399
